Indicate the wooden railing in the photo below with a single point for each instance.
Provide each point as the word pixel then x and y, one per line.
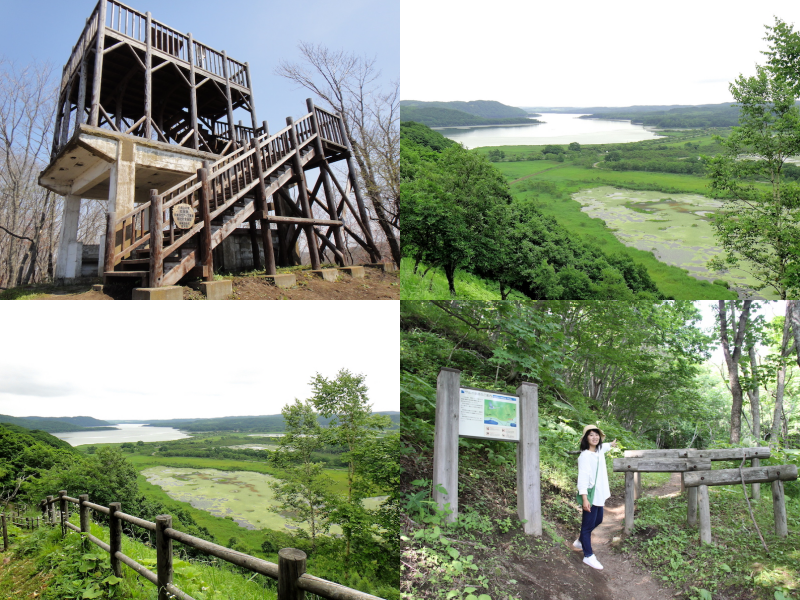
pixel 80 48
pixel 290 573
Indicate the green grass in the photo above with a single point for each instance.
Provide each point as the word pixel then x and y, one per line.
pixel 434 285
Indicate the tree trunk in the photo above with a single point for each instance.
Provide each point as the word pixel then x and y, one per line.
pixel 781 383
pixel 754 394
pixel 793 315
pixel 732 361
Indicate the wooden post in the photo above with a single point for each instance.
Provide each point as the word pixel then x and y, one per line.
pixel 63 507
pixel 691 502
pixel 163 556
pixel 84 510
pixel 629 498
pixel 302 190
pixel 529 486
pixel 98 64
pixel 637 485
pixel 683 482
pixel 705 515
pixel 445 441
pixel 291 565
pixel 5 532
pixel 755 488
pixel 148 78
pixel 193 96
pixel 115 536
pixel 337 229
pixel 205 214
pixel 779 509
pixel 51 511
pixel 231 128
pixel 81 110
pixel 261 203
pixel 375 255
pixel 111 234
pixel 64 137
pixel 156 240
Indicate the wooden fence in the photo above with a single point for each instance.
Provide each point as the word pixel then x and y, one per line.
pixel 290 573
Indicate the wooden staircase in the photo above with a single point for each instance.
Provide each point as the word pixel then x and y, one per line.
pixel 224 195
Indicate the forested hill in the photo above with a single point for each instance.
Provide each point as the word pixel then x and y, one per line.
pixel 477 112
pixel 261 423
pixel 57 424
pixel 458 213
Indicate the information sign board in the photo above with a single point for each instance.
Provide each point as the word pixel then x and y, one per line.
pixel 488 415
pixel 183 215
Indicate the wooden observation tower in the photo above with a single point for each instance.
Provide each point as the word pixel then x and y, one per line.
pixel 145 121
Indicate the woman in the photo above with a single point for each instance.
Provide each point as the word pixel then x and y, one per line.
pixel 592 473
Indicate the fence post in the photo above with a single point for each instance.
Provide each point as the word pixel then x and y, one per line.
pixel 691 499
pixel 779 509
pixel 115 536
pixel 163 556
pixel 63 508
pixel 629 496
pixel 5 532
pixel 84 510
pixel 51 511
pixel 291 565
pixel 705 515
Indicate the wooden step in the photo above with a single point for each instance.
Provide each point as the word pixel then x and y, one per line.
pixel 144 274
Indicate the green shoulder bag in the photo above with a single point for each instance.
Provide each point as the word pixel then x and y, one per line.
pixel 590 491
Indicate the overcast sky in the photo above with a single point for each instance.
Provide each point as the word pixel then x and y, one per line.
pixel 164 360
pixel 582 53
pixel 254 31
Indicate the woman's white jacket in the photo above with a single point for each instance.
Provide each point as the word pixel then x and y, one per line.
pixel 590 463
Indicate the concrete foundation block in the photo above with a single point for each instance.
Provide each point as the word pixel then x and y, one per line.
pixel 97 287
pixel 172 292
pixel 282 280
pixel 354 271
pixel 385 267
pixel 326 274
pixel 217 290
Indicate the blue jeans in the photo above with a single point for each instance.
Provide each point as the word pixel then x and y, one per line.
pixel 588 524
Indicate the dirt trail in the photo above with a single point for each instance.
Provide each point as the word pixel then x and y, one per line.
pixel 624 579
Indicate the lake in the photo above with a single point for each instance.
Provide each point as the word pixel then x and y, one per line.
pixel 557 129
pixel 130 432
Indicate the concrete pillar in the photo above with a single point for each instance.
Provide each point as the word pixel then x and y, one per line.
pixel 122 180
pixel 69 238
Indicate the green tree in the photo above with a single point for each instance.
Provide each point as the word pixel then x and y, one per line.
pixel 353 426
pixel 496 155
pixel 575 147
pixel 304 491
pixel 758 225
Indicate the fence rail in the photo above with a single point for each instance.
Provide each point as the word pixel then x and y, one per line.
pixel 290 573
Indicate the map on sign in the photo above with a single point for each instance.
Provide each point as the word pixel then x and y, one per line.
pixel 183 215
pixel 488 415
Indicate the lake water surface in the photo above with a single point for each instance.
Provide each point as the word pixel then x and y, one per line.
pixel 557 129
pixel 126 433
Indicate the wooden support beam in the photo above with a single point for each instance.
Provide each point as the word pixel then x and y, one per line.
pixel 66 118
pixel 254 245
pixel 303 193
pixel 98 64
pixel 261 203
pixel 205 213
pixel 714 454
pixel 660 465
pixel 80 117
pixel 755 488
pixel 751 475
pixel 148 78
pixel 115 536
pixel 193 95
pixel 691 512
pixel 629 502
pixel 705 515
pixel 156 240
pixel 779 509
pixel 231 128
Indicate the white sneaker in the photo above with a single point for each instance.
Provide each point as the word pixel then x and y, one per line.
pixel 577 545
pixel 593 562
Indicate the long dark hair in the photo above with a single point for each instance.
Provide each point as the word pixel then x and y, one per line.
pixel 585 442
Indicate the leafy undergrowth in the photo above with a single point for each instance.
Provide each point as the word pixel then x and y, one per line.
pixel 735 565
pixel 433 286
pixel 43 565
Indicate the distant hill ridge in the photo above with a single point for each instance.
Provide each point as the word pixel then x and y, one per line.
pixel 58 424
pixel 459 113
pixel 265 423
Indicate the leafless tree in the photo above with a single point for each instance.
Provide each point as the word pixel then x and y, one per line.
pixel 351 86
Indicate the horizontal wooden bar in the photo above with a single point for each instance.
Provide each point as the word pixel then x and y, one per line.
pixel 237 558
pixel 135 520
pixel 328 589
pixel 140 569
pixel 178 593
pixel 716 454
pixel 732 476
pixel 660 465
pixel 98 542
pixel 97 507
pixel 70 499
pixel 274 219
pixel 73 527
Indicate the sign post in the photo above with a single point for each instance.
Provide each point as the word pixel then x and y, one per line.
pixel 486 414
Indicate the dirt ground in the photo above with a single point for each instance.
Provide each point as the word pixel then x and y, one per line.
pixel 376 285
pixel 621 578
